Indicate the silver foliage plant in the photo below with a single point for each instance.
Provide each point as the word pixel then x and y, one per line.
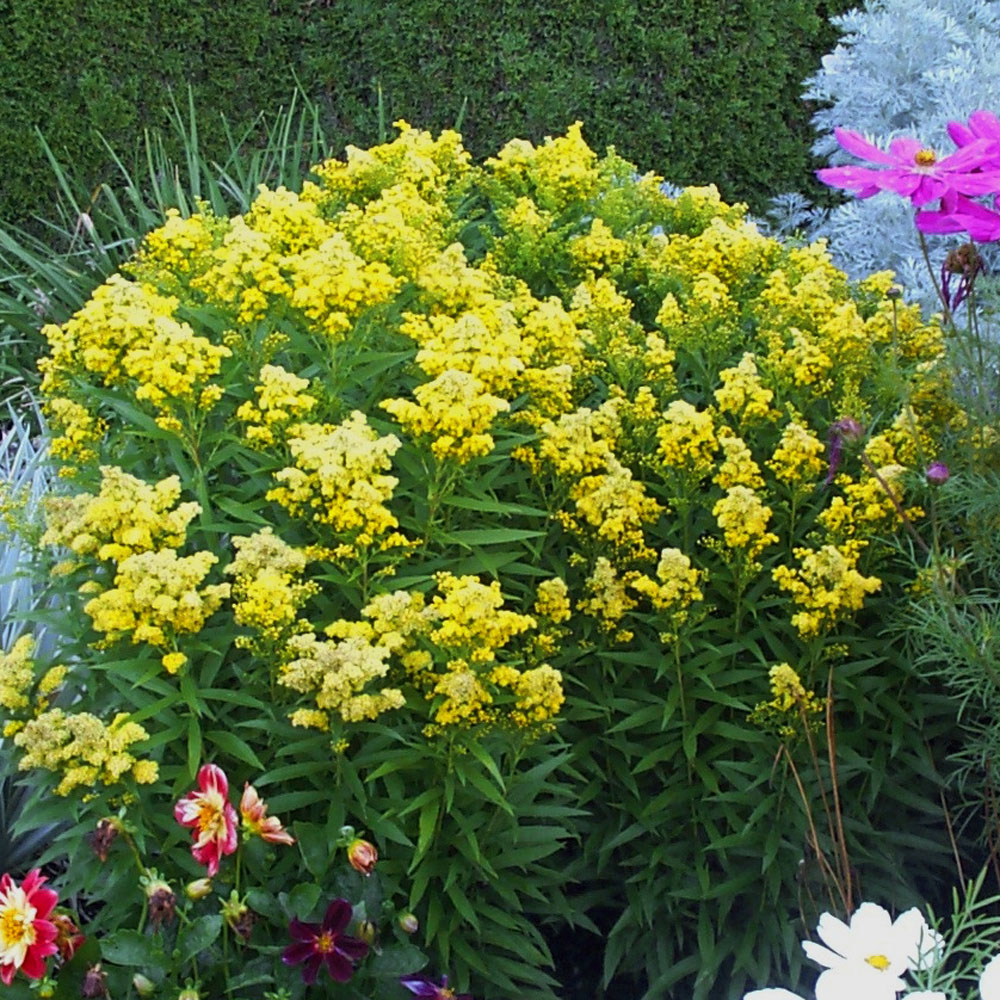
pixel 902 67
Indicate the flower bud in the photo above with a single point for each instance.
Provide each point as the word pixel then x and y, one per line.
pixel 362 856
pixel 937 473
pixel 238 916
pixel 162 902
pixel 849 429
pixel 366 931
pixel 143 986
pixel 408 923
pixel 103 837
pixel 95 983
pixel 198 889
pixel 189 993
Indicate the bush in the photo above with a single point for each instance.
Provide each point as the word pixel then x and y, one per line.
pixel 668 83
pixel 481 507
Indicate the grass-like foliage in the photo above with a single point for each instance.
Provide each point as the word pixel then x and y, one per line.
pixel 537 522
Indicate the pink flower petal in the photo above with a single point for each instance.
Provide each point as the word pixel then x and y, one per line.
pixel 856 143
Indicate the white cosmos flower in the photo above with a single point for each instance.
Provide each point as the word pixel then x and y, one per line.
pixel 989 980
pixel 772 993
pixel 865 959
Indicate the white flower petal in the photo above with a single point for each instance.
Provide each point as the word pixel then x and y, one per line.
pixel 835 933
pixel 989 980
pixel 857 981
pixel 917 941
pixel 925 995
pixel 771 993
pixel 821 955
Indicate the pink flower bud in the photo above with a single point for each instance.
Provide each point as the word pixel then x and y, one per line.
pixel 408 923
pixel 937 473
pixel 362 856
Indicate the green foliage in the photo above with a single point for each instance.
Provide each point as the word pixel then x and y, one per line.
pixel 669 84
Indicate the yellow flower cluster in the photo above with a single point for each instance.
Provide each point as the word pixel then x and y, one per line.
pixel 83 749
pixel 827 586
pixel 676 585
pixel 743 394
pixel 598 250
pixel 431 165
pixel 454 412
pixel 127 333
pixel 552 600
pixel 156 596
pixel 581 442
pixel 76 429
pixel 126 517
pixel 791 703
pixel 448 649
pixel 337 672
pixel 338 478
pixel 687 440
pixel 743 519
pixel 467 617
pixel 281 398
pixel 607 600
pixel 737 467
pixel 17 674
pixel 266 593
pixel 866 508
pixel 798 459
pixel 615 507
pixel 557 173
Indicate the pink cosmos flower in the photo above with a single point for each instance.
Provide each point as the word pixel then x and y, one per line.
pixel 255 819
pixel 211 816
pixel 325 944
pixel 958 214
pixel 912 170
pixel 27 935
pixel 981 125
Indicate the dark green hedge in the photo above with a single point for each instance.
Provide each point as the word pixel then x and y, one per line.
pixel 698 90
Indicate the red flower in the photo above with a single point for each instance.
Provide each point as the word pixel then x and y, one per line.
pixel 325 944
pixel 27 936
pixel 424 987
pixel 212 817
pixel 255 818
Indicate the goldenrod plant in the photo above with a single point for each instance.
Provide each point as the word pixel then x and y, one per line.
pixel 478 504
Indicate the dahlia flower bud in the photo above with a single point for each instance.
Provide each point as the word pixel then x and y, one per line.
pixel 238 916
pixel 188 994
pixel 103 837
pixel 366 931
pixel 198 889
pixel 937 473
pixel 162 902
pixel 95 983
pixel 143 986
pixel 408 923
pixel 362 856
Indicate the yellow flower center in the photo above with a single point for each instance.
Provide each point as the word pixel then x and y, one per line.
pixel 324 943
pixel 16 928
pixel 925 158
pixel 879 962
pixel 211 818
